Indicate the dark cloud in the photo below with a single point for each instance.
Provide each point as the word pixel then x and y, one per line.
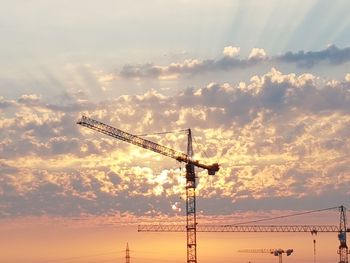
pixel 141 71
pixel 188 67
pixel 332 54
pixel 304 59
pixel 6 103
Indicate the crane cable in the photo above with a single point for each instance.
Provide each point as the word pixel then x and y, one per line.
pixel 201 148
pixel 176 131
pixel 161 133
pixel 285 216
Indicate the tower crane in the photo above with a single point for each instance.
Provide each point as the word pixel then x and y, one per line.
pixel 191 221
pixel 276 252
pixel 313 229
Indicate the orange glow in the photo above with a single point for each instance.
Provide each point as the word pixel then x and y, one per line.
pixel 39 240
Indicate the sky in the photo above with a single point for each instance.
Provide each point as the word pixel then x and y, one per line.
pixel 264 86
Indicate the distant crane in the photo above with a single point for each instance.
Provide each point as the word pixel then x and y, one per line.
pixel 313 229
pixel 191 221
pixel 276 252
pixel 127 254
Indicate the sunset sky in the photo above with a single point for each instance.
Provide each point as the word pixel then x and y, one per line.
pixel 264 86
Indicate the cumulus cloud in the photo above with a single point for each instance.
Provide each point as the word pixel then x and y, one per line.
pixel 277 137
pixel 29 99
pixel 347 77
pixel 257 54
pixel 230 51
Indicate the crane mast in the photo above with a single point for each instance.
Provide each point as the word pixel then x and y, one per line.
pixel 343 247
pixel 191 220
pixel 191 223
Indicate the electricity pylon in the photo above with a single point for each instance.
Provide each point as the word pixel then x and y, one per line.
pixel 127 254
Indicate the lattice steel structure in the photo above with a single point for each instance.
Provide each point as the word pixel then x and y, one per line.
pixel 146 144
pixel 127 254
pixel 241 228
pixel 191 220
pixel 343 247
pixel 276 252
pixel 191 223
pixel 313 229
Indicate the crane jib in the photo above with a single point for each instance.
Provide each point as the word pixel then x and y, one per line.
pixel 146 144
pixel 242 228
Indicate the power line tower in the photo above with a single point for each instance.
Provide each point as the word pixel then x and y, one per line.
pixel 276 252
pixel 343 247
pixel 191 223
pixel 127 254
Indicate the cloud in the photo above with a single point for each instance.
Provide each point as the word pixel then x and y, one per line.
pixel 230 51
pixel 257 54
pixel 30 99
pixel 332 54
pixel 277 137
pixel 347 77
pixel 230 61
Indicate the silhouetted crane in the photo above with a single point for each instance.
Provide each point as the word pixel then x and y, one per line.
pixel 191 221
pixel 276 252
pixel 127 254
pixel 244 227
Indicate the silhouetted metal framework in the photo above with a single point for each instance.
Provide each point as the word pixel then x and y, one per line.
pixel 191 223
pixel 127 254
pixel 241 228
pixel 247 227
pixel 343 247
pixel 276 252
pixel 191 220
pixel 146 144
